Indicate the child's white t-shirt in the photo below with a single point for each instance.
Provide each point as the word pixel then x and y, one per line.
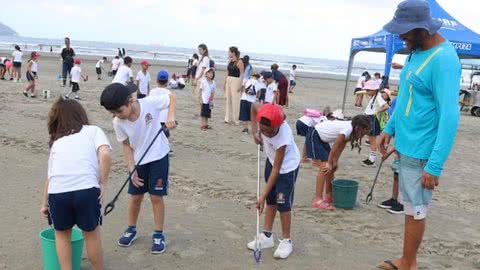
pixel 374 108
pixel 329 130
pixel 158 92
pixel 207 89
pixel 181 80
pixel 292 75
pixel 99 63
pixel 360 82
pixel 140 133
pixel 124 73
pixel 17 56
pixel 34 66
pixel 76 73
pixel 73 161
pixel 115 63
pixel 143 80
pixel 270 94
pixel 205 63
pixel 251 98
pixel 312 121
pixel 291 160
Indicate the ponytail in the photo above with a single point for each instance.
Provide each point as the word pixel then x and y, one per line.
pixel 359 122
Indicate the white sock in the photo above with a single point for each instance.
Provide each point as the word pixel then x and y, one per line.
pixel 372 157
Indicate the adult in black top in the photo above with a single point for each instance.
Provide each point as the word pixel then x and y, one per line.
pixel 233 86
pixel 233 70
pixel 282 84
pixel 67 55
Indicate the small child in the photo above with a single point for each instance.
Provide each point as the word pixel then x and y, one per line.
pixel 271 94
pixel 207 92
pixel 32 69
pixel 115 65
pixel 262 89
pixel 136 122
pixel 3 68
pixel 304 124
pixel 99 67
pixel 162 82
pixel 249 96
pixel 293 78
pixel 281 170
pixel 143 80
pixel 78 168
pixel 76 75
pixel 338 133
pixel 124 73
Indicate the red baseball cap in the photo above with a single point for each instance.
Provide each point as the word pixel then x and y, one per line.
pixel 273 113
pixel 145 62
pixel 77 61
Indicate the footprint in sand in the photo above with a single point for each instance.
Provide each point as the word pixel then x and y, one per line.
pixel 136 256
pixel 232 235
pixel 191 253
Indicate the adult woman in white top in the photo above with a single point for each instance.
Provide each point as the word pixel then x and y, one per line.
pixel 17 63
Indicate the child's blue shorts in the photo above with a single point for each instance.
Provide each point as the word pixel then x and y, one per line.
pixel 155 177
pixel 282 193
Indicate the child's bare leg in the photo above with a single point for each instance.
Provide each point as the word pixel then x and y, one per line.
pixel 270 212
pixel 286 220
pixel 373 147
pixel 329 188
pixel 304 154
pixel 93 244
pixel 158 211
pixel 64 248
pixel 134 205
pixel 320 180
pixel 32 89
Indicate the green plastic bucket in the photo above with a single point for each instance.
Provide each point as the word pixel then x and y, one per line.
pixel 345 193
pixel 50 259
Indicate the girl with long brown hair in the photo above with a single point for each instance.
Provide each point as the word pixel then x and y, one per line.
pixel 233 86
pixel 78 168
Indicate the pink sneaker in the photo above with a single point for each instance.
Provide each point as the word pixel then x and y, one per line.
pixel 329 200
pixel 316 203
pixel 325 206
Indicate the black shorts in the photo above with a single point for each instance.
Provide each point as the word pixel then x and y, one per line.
pixel 282 193
pixel 375 126
pixel 17 64
pixel 2 65
pixel 139 96
pixel 194 71
pixel 263 92
pixel 98 70
pixel 316 148
pixel 245 110
pixel 155 177
pixel 31 78
pixel 75 87
pixel 206 111
pixel 293 83
pixel 181 86
pixel 356 90
pixel 81 208
pixel 302 128
pixel 114 72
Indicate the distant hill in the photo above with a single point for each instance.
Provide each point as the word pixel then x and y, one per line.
pixel 7 31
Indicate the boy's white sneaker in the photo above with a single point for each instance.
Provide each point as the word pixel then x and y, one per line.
pixel 265 242
pixel 284 249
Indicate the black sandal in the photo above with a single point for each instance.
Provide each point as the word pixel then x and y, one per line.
pixel 390 265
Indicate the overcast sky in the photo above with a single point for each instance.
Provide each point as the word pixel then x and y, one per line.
pixel 309 28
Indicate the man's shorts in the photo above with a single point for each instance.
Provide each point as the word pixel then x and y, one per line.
pixel 416 198
pixel 395 166
pixel 316 148
pixel 155 178
pixel 282 193
pixel 80 207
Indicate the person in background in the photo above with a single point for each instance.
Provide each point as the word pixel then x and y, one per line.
pixel 3 68
pixel 378 78
pixel 233 85
pixel 17 63
pixel 32 69
pixel 203 65
pixel 360 84
pixel 293 78
pixel 282 85
pixel 248 68
pixel 143 80
pixel 271 93
pixel 76 74
pixel 124 74
pixel 193 69
pixel 99 67
pixel 68 55
pixel 249 96
pixel 207 93
pixel 115 65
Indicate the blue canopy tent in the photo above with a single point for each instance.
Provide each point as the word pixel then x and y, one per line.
pixel 463 39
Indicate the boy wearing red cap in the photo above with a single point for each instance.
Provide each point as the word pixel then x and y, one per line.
pixel 76 74
pixel 143 80
pixel 281 170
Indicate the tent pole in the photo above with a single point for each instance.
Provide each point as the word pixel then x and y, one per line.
pixel 390 51
pixel 347 80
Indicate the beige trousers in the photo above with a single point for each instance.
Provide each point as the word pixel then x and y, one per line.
pixel 233 95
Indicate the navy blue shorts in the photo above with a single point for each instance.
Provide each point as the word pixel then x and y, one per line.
pixel 375 131
pixel 282 193
pixel 302 128
pixel 155 177
pixel 244 110
pixel 263 92
pixel 206 111
pixel 293 83
pixel 316 148
pixel 80 207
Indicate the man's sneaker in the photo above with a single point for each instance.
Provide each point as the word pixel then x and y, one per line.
pixel 284 249
pixel 127 238
pixel 397 208
pixel 158 245
pixel 265 242
pixel 368 163
pixel 387 204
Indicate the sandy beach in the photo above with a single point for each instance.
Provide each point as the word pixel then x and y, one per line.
pixel 209 212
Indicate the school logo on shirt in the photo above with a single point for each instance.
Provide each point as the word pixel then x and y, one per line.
pixel 148 119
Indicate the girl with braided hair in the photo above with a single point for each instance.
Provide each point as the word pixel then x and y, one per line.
pixel 325 158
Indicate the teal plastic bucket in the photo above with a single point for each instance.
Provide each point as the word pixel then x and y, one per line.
pixel 345 193
pixel 50 258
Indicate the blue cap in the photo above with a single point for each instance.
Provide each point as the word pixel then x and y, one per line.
pixel 413 14
pixel 162 75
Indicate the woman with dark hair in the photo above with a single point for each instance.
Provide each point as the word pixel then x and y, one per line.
pixel 282 83
pixel 67 55
pixel 233 86
pixel 17 63
pixel 248 68
pixel 78 168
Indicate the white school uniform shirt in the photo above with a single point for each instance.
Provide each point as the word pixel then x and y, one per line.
pixel 329 130
pixel 292 75
pixel 207 89
pixel 158 92
pixel 34 66
pixel 124 73
pixel 73 162
pixel 360 82
pixel 76 73
pixel 312 121
pixel 115 63
pixel 205 63
pixel 374 108
pixel 99 63
pixel 143 81
pixel 251 98
pixel 140 133
pixel 291 161
pixel 181 80
pixel 17 56
pixel 270 94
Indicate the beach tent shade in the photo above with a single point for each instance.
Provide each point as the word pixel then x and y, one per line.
pixel 465 41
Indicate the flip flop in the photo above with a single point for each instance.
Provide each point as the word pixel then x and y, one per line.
pixel 387 265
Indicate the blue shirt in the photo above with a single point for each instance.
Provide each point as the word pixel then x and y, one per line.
pixel 426 116
pixel 392 107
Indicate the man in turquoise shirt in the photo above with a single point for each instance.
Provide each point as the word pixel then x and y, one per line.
pixel 425 120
